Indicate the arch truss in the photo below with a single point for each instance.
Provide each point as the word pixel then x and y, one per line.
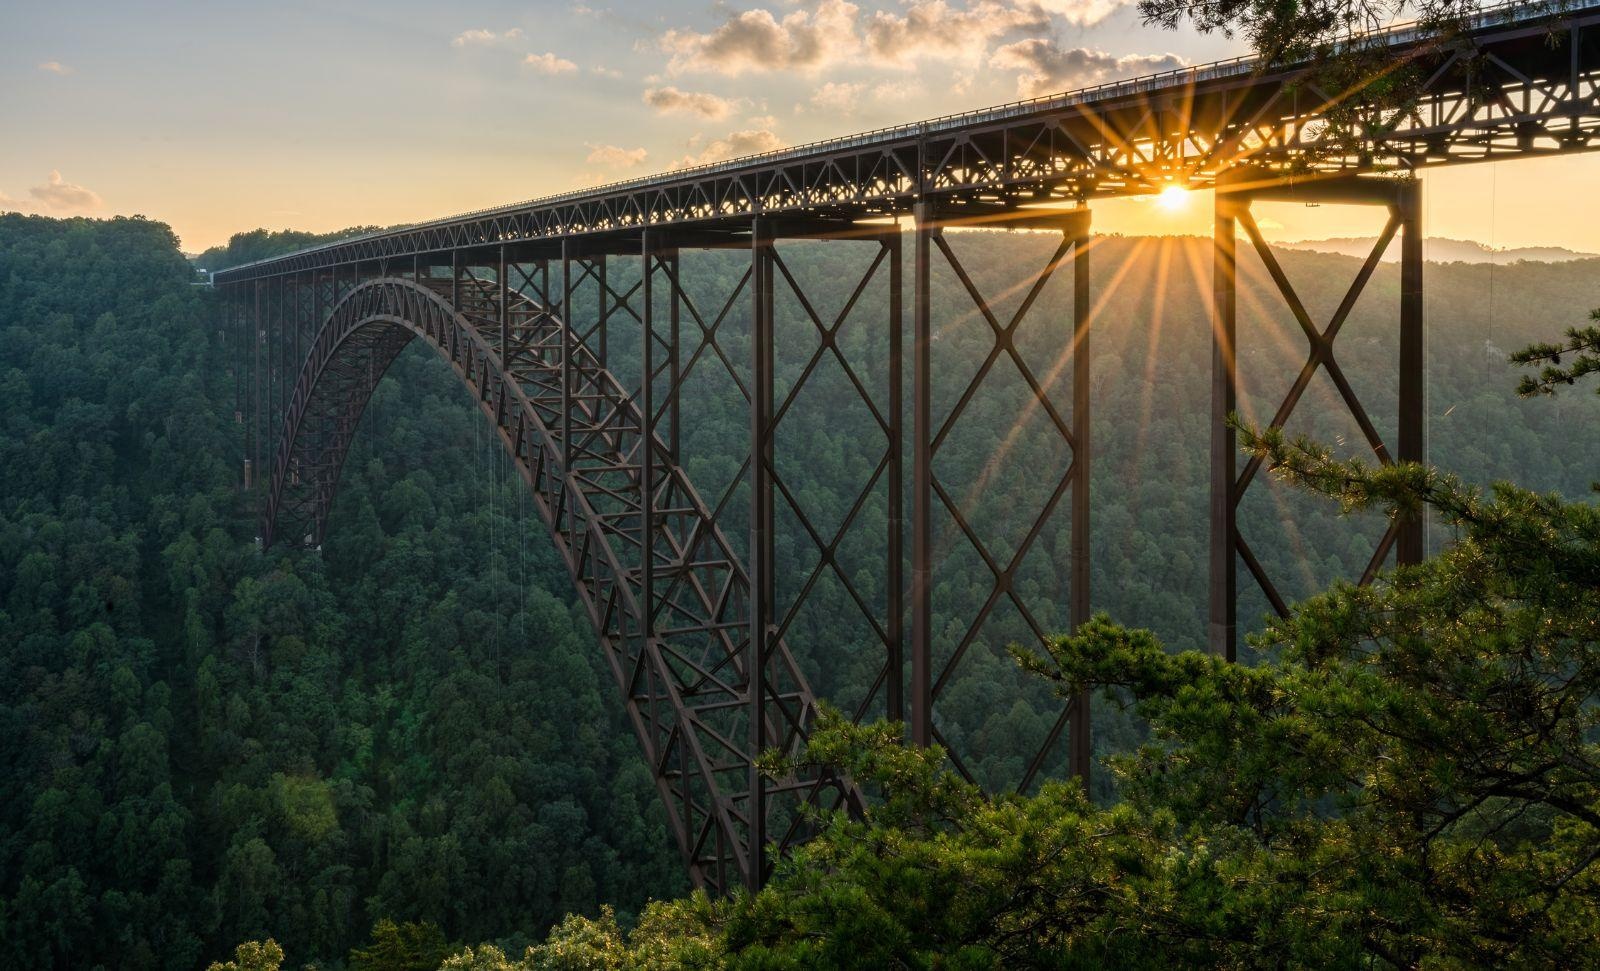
pixel 668 597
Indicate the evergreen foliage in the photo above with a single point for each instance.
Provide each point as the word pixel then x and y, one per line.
pixel 401 947
pixel 204 745
pixel 252 956
pixel 1582 344
pixel 1408 777
pixel 1290 31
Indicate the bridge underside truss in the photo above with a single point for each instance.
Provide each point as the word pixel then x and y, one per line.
pixel 698 643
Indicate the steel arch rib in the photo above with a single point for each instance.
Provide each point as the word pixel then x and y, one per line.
pixel 688 727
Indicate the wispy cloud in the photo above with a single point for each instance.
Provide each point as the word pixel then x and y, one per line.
pixel 1084 13
pixel 757 40
pixel 60 194
pixel 615 156
pixel 815 34
pixel 55 67
pixel 549 64
pixel 669 100
pixel 736 144
pixel 481 37
pixel 892 91
pixel 1044 67
pixel 837 97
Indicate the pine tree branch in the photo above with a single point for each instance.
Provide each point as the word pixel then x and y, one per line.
pixel 1582 344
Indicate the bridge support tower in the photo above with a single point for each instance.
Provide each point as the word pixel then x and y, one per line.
pixel 929 496
pixel 1235 194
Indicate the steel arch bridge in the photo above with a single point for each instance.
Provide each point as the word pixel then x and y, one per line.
pixel 572 322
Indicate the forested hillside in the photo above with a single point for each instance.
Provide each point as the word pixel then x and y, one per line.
pixel 204 744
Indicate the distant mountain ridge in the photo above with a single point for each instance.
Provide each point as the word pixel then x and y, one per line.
pixel 1438 249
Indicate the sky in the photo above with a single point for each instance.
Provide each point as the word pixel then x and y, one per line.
pixel 226 116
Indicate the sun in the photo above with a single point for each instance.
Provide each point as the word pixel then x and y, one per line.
pixel 1173 198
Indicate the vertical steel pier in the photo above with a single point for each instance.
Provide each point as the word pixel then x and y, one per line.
pixel 931 222
pixel 1235 195
pixel 762 564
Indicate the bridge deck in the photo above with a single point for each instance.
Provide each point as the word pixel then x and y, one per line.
pixel 1523 81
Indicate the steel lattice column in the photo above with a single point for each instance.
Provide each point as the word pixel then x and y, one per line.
pixel 1081 756
pixel 927 494
pixel 243 413
pixel 762 561
pixel 1413 436
pixel 1234 197
pixel 786 319
pixel 895 677
pixel 1222 590
pixel 921 691
pixel 257 338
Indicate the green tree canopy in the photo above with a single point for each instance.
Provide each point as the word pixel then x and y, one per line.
pixel 252 956
pixel 1407 775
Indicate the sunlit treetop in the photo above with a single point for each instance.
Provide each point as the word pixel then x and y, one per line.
pixel 1298 30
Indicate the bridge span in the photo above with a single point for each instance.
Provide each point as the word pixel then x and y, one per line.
pixel 575 324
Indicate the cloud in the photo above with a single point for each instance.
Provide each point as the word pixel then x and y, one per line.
pixel 670 100
pixel 55 67
pixel 891 91
pixel 1084 13
pixel 615 156
pixel 8 204
pixel 1044 67
pixel 484 38
pixel 756 40
pixel 837 97
pixel 549 64
pixel 826 32
pixel 736 144
pixel 606 72
pixel 934 30
pixel 61 194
